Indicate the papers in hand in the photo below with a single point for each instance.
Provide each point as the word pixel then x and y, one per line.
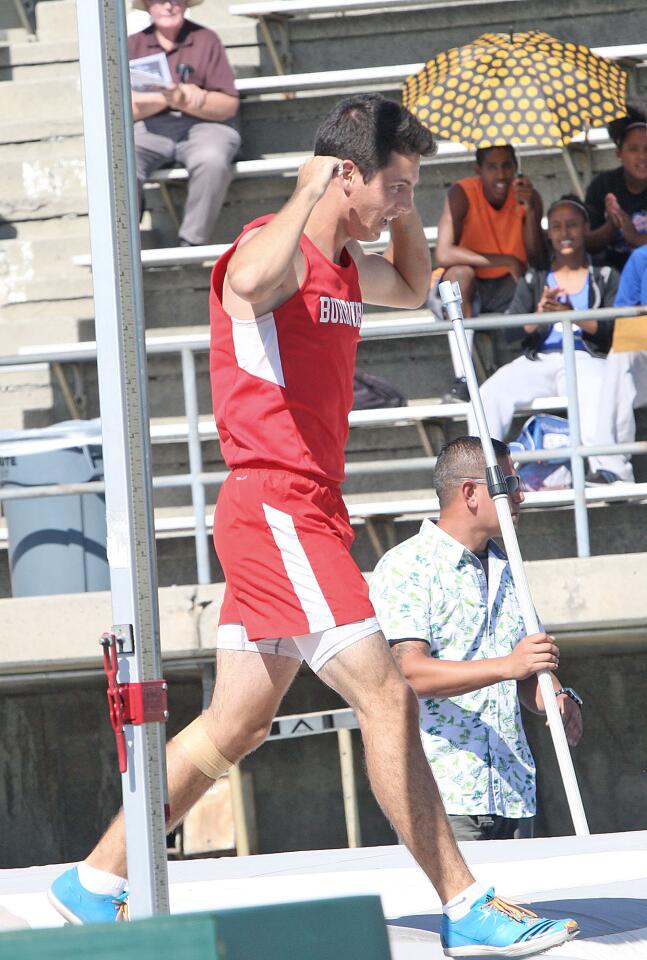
pixel 148 74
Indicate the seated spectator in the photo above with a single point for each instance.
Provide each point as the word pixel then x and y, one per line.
pixel 570 284
pixel 617 199
pixel 624 385
pixel 446 603
pixel 489 229
pixel 191 122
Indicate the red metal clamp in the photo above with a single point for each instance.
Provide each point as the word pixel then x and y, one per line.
pixel 131 703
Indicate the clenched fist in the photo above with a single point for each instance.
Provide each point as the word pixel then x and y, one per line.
pixel 316 174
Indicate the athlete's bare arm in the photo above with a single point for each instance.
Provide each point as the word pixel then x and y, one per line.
pixel 401 277
pixel 267 267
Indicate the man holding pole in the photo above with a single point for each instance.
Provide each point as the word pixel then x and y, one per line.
pixel 446 602
pixel 286 309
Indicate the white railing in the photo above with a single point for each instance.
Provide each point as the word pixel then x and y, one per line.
pixel 197 479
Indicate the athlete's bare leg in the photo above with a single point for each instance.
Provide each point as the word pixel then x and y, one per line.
pixel 248 690
pixel 366 676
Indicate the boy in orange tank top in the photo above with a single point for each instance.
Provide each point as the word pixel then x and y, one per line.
pixel 489 230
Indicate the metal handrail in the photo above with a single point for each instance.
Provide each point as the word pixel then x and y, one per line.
pixel 370 330
pixel 187 346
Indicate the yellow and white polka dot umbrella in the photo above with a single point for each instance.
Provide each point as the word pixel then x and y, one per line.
pixel 516 88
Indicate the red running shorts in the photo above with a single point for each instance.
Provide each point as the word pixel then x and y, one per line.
pixel 283 540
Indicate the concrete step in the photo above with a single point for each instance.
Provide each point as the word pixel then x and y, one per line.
pixel 33 330
pixel 13 26
pixel 46 128
pixel 39 71
pixel 56 21
pixel 25 392
pixel 16 35
pixel 23 261
pixel 49 230
pixel 38 59
pixel 68 289
pixel 39 189
pixel 42 150
pixel 40 100
pixel 41 312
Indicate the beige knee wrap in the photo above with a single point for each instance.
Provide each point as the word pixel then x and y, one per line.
pixel 201 750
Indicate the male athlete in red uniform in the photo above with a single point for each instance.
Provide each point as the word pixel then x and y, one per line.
pixel 286 306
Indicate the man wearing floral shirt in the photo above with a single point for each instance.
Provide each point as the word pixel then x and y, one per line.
pixel 447 604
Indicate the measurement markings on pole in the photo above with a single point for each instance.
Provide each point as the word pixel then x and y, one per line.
pixel 133 364
pixel 121 363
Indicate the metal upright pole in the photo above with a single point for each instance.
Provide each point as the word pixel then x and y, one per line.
pixel 575 439
pixel 572 172
pixel 121 361
pixel 450 294
pixel 195 465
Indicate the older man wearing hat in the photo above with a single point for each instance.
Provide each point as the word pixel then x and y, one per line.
pixel 192 121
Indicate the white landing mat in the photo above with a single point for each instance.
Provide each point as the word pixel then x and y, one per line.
pixel 601 881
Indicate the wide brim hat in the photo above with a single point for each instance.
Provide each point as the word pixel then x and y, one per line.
pixel 140 5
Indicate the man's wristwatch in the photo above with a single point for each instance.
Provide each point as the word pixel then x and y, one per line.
pixel 569 692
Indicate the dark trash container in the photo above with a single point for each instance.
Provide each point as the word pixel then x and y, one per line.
pixel 56 544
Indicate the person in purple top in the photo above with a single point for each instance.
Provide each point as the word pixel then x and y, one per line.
pixel 191 122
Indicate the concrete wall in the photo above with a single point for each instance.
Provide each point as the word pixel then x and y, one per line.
pixel 58 777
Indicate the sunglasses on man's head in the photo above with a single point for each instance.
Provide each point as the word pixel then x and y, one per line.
pixel 512 483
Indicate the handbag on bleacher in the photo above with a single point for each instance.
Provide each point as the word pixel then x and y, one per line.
pixel 371 392
pixel 544 431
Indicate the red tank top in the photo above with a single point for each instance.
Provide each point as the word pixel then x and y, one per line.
pixel 282 385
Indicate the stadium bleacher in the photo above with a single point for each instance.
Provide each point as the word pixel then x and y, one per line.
pixel 46 281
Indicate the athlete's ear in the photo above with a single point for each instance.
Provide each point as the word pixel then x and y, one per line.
pixel 349 172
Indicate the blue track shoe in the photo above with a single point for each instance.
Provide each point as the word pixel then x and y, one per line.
pixel 497 928
pixel 78 905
